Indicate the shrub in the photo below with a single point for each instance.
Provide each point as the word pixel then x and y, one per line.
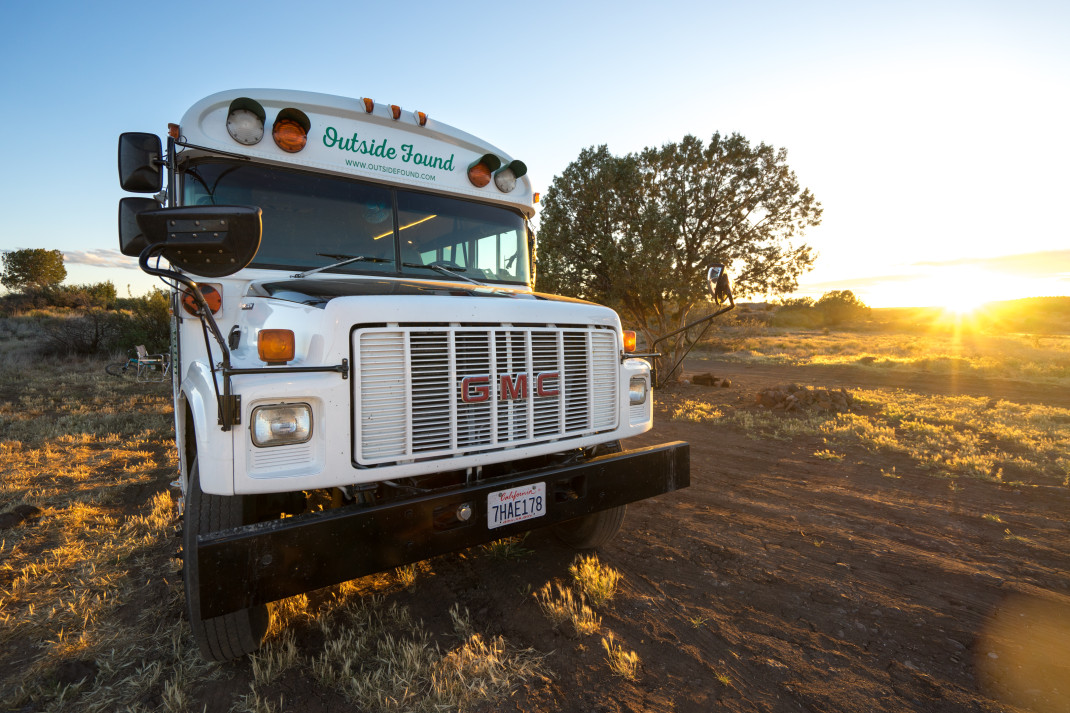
pixel 834 308
pixel 840 306
pixel 96 331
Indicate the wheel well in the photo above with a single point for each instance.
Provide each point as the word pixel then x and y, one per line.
pixel 189 439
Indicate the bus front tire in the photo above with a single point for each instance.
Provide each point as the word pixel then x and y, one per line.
pixel 592 531
pixel 231 635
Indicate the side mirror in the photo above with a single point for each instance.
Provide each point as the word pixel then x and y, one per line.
pixel 717 281
pixel 210 241
pixel 140 158
pixel 131 240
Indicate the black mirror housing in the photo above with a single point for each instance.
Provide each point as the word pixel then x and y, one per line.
pixel 717 281
pixel 210 241
pixel 131 239
pixel 140 160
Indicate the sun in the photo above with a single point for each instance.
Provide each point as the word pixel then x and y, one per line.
pixel 960 290
pixel 964 304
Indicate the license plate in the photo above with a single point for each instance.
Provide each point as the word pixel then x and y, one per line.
pixel 505 507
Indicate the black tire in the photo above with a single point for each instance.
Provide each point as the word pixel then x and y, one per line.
pixel 118 369
pixel 594 530
pixel 232 635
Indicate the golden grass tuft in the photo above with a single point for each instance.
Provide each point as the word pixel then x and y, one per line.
pixel 622 663
pixel 564 607
pixel 696 411
pixel 597 581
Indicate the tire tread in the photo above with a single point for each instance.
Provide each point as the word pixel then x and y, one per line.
pixel 231 635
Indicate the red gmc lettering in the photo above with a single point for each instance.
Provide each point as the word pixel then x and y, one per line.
pixel 514 389
pixel 540 388
pixel 475 389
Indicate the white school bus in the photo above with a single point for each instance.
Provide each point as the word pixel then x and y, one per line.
pixel 356 326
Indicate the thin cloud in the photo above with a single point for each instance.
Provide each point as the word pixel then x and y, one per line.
pixel 100 258
pixel 856 283
pixel 1042 263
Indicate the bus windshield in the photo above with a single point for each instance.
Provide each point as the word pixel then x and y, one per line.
pixel 312 220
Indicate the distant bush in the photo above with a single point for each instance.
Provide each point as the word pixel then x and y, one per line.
pixel 98 331
pixel 100 295
pixel 834 309
pixel 841 306
pixel 797 312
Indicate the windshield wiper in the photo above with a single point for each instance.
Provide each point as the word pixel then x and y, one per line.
pixel 454 271
pixel 343 260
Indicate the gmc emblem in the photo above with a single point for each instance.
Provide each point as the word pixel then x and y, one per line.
pixel 511 387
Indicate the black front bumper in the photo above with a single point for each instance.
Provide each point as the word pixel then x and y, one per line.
pixel 267 561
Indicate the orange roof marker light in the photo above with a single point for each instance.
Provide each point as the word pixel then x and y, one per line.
pixel 480 170
pixel 421 118
pixel 505 178
pixel 245 121
pixel 291 130
pixel 395 111
pixel 369 105
pixel 275 346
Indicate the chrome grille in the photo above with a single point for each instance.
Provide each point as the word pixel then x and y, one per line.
pixel 420 371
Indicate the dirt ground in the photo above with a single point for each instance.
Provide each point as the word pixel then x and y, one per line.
pixel 782 582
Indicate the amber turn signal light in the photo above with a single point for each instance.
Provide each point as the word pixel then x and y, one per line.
pixel 629 340
pixel 275 346
pixel 291 130
pixel 479 171
pixel 212 297
pixel 289 136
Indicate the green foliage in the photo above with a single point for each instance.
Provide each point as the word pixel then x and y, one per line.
pixel 840 306
pixel 32 267
pixel 100 331
pixel 833 309
pixel 100 295
pixel 637 232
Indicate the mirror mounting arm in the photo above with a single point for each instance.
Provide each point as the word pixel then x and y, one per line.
pixel 169 162
pixel 227 402
pixel 708 319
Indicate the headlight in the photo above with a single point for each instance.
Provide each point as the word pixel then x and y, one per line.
pixel 281 425
pixel 637 390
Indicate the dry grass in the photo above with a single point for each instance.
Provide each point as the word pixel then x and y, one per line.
pixel 947 435
pixel 622 663
pixel 1030 357
pixel 696 411
pixel 507 548
pixel 562 606
pixel 383 660
pixel 597 581
pixel 91 599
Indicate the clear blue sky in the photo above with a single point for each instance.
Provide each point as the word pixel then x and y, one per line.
pixel 934 133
